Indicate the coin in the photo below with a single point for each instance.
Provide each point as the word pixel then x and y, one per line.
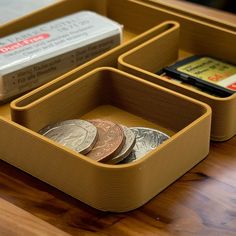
pixel 127 148
pixel 78 135
pixel 146 140
pixel 110 140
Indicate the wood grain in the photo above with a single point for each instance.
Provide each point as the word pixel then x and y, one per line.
pixel 24 223
pixel 202 202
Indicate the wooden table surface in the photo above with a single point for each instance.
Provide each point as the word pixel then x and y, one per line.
pixel 202 202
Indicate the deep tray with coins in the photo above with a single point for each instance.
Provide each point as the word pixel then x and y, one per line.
pixel 110 94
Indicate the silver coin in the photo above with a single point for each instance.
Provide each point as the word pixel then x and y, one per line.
pixel 127 148
pixel 146 140
pixel 78 135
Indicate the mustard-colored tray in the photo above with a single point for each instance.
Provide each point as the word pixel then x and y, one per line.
pixel 110 94
pixel 150 57
pixel 115 95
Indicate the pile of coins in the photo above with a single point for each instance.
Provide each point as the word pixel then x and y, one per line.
pixel 105 141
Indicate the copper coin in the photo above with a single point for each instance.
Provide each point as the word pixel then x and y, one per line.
pixel 127 148
pixel 110 140
pixel 78 135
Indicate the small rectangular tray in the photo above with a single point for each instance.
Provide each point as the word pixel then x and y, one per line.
pixel 110 94
pixel 150 57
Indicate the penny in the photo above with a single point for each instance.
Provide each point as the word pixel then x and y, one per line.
pixel 127 148
pixel 146 140
pixel 78 135
pixel 110 140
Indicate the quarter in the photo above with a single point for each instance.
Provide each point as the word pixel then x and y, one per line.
pixel 146 140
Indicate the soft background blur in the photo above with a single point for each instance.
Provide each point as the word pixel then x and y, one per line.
pixel 226 5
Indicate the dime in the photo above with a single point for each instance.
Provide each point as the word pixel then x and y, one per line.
pixel 78 135
pixel 110 140
pixel 146 140
pixel 127 148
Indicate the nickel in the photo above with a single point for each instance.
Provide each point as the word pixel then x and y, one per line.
pixel 146 140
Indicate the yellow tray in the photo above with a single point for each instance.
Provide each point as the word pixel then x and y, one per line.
pixel 110 94
pixel 150 57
